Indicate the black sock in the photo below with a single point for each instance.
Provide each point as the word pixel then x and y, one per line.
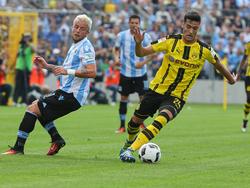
pixel 26 126
pixel 123 112
pixel 50 127
pixel 245 123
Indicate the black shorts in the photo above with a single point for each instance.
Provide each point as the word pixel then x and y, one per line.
pixel 153 101
pixel 130 85
pixel 247 83
pixel 55 105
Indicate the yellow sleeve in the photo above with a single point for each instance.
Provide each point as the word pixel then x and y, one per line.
pixel 211 55
pixel 161 45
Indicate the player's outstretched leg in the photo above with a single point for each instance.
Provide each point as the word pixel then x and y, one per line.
pixel 26 127
pixel 133 130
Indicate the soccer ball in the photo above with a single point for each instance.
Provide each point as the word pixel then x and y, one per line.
pixel 150 153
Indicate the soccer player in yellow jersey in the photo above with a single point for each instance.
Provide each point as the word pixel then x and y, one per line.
pixel 181 65
pixel 245 65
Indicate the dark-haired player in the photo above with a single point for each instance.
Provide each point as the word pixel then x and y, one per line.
pixel 168 91
pixel 133 73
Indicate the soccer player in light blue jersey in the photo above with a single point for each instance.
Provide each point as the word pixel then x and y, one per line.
pixel 133 73
pixel 78 67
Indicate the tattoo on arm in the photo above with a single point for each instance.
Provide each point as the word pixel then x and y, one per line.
pixel 85 71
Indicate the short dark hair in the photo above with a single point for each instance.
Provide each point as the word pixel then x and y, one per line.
pixel 192 15
pixel 134 17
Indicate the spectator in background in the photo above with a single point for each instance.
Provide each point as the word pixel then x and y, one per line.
pixel 112 76
pixel 64 30
pixel 5 89
pixel 233 55
pixel 23 69
pixel 239 25
pixel 53 37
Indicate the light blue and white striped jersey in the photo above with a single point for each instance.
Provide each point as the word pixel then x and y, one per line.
pixel 126 43
pixel 79 55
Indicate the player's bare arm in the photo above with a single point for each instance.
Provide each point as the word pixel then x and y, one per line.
pixel 43 64
pixel 88 71
pixel 232 78
pixel 116 54
pixel 139 50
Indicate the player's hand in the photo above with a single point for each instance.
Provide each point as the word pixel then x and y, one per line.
pixel 138 36
pixel 238 76
pixel 235 78
pixel 59 70
pixel 40 61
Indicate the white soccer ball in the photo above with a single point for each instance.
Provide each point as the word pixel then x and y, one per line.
pixel 150 153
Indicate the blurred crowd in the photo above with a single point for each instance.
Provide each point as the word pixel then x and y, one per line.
pixel 225 25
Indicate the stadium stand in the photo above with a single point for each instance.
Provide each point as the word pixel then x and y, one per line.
pixel 225 24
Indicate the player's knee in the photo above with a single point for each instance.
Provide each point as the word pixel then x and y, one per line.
pixel 33 108
pixel 168 115
pixel 137 120
pixel 133 127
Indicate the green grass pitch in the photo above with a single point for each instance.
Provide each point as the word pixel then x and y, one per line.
pixel 202 147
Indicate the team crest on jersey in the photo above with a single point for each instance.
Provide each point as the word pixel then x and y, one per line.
pixel 194 56
pixel 86 48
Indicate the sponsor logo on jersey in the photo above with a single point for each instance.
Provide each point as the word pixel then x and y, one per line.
pixel 184 63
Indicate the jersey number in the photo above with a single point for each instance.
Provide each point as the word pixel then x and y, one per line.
pixel 177 103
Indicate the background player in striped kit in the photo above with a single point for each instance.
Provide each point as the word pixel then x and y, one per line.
pixel 133 73
pixel 78 67
pixel 183 61
pixel 245 67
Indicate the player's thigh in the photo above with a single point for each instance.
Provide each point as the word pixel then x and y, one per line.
pixel 34 108
pixel 57 104
pixel 125 86
pixel 149 104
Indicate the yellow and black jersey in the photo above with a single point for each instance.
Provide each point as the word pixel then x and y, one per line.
pixel 181 65
pixel 247 53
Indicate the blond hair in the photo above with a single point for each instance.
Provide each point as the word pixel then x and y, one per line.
pixel 84 18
